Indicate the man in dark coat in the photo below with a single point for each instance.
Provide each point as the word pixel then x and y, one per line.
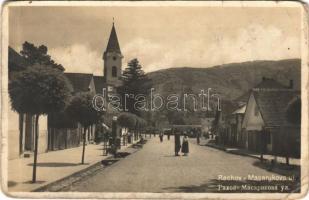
pixel 161 137
pixel 198 135
pixel 177 143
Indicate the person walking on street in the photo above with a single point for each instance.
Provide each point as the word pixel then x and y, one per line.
pixel 161 137
pixel 198 135
pixel 129 138
pixel 177 143
pixel 185 146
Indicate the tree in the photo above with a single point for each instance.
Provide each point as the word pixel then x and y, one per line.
pixel 33 55
pixel 82 111
pixel 127 120
pixel 30 55
pixel 132 122
pixel 175 117
pixel 15 62
pixel 39 90
pixel 140 124
pixel 135 82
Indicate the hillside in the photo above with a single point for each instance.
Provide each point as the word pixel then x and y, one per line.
pixel 229 80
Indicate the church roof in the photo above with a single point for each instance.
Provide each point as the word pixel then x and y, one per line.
pixel 80 82
pixel 113 44
pixel 99 82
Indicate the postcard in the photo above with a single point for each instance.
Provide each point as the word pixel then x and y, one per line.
pixel 154 99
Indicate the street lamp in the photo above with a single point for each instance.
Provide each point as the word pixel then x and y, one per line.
pixel 106 135
pixel 116 140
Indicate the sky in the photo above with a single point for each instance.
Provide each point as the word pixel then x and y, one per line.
pixel 160 37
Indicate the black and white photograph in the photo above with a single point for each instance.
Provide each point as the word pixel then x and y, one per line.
pixel 154 99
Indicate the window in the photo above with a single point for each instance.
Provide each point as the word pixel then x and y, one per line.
pixel 114 71
pixel 109 88
pixel 114 58
pixel 268 137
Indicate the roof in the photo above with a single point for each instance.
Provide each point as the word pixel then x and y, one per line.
pixel 273 104
pixel 264 84
pixel 113 44
pixel 99 82
pixel 240 110
pixel 80 82
pixel 16 61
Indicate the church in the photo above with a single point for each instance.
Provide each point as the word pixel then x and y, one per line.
pixel 53 136
pixel 112 65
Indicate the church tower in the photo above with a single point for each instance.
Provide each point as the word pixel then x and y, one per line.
pixel 112 61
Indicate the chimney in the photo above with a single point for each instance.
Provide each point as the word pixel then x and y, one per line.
pixel 291 84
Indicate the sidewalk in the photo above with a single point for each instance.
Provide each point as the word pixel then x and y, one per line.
pixel 245 152
pixel 52 166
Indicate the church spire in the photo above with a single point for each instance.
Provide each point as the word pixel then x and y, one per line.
pixel 112 59
pixel 113 44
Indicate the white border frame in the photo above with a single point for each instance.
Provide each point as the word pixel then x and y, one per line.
pixel 79 195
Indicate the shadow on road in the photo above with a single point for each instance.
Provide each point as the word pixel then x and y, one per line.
pixel 170 156
pixel 55 164
pixel 108 162
pixel 122 154
pixel 37 182
pixel 11 183
pixel 139 144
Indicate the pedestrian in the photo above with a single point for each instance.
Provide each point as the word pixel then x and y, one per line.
pixel 161 137
pixel 129 138
pixel 177 142
pixel 168 135
pixel 198 135
pixel 185 145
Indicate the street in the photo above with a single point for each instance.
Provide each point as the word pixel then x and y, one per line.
pixel 155 169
